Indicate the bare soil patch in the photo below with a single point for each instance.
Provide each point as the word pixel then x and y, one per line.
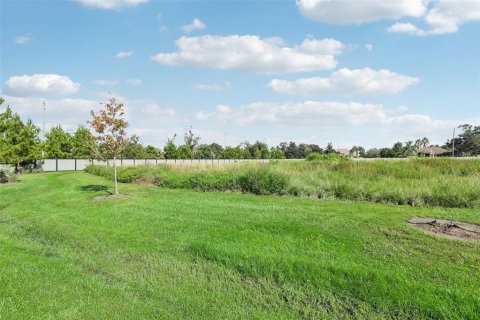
pixel 110 196
pixel 448 228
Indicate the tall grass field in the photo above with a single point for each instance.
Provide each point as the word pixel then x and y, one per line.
pixel 416 182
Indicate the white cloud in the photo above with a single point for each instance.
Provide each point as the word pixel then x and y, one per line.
pixel 124 54
pixel 162 29
pixel 195 25
pixel 359 11
pixel 406 28
pixel 41 84
pixel 66 112
pixel 104 82
pixel 369 47
pixel 133 82
pixel 252 54
pixel 308 113
pixel 22 39
pixel 347 82
pixel 111 4
pixel 212 87
pixel 154 110
pixel 445 16
pixel 378 124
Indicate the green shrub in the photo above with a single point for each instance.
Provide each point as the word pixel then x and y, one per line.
pixel 263 181
pixel 3 176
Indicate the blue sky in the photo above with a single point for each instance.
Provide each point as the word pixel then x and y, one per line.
pixel 351 72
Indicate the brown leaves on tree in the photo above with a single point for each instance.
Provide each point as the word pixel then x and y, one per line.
pixel 110 126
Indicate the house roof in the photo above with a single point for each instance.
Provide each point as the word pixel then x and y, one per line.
pixel 432 150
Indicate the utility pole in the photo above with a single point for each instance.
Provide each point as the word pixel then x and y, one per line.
pixel 43 119
pixel 453 142
pixel 43 128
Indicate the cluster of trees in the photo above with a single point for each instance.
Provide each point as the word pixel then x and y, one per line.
pixel 20 143
pixel 398 150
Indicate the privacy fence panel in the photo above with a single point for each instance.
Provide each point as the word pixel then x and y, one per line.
pixel 51 165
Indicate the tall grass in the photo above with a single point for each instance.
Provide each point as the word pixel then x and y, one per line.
pixel 416 182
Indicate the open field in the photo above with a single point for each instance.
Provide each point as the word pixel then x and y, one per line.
pixel 417 182
pixel 163 253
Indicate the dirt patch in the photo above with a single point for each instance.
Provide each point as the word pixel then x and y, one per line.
pixel 111 196
pixel 146 182
pixel 447 228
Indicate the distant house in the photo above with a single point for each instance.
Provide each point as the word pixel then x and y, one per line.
pixel 343 152
pixel 432 151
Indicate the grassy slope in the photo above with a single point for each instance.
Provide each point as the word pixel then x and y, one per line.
pixel 185 254
pixel 437 182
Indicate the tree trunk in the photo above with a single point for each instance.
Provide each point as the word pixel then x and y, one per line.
pixel 115 175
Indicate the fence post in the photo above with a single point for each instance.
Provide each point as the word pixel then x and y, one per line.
pixel 134 162
pixel 75 164
pixel 56 164
pixel 121 162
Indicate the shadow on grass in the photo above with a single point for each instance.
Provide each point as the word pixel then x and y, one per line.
pixel 94 188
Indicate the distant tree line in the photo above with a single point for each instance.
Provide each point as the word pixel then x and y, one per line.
pixel 20 143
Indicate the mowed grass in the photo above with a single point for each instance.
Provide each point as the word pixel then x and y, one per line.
pixel 182 254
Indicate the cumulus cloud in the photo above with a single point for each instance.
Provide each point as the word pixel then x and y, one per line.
pixel 212 87
pixel 155 110
pixel 196 24
pixel 330 115
pixel 111 4
pixel 124 54
pixel 22 39
pixel 66 112
pixel 369 47
pixel 406 28
pixel 347 82
pixel 41 84
pixel 250 53
pixel 445 16
pixel 356 12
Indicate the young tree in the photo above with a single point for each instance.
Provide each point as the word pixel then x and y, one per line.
pixel 191 141
pixel 110 126
pixel 329 149
pixel 58 143
pixel 373 153
pixel 232 153
pixel 18 141
pixel 170 150
pixel 133 149
pixel 83 144
pixel 151 152
pixel 216 150
pixel 184 152
pixel 276 153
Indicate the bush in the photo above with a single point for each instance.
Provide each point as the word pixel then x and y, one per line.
pixel 263 181
pixel 3 176
pixel 7 175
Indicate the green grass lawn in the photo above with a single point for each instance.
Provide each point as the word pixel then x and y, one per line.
pixel 170 254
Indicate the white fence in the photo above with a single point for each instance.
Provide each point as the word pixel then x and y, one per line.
pixel 49 165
